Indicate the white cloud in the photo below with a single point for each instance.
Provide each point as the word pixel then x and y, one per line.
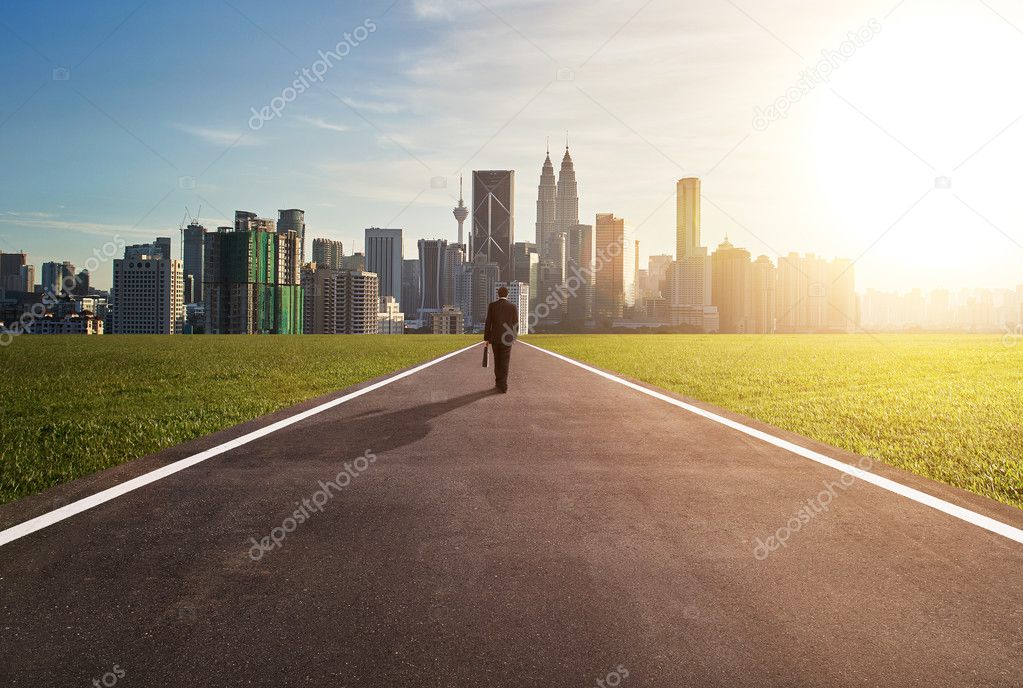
pixel 320 123
pixel 377 106
pixel 220 137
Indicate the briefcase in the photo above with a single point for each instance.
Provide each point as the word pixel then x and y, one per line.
pixel 486 357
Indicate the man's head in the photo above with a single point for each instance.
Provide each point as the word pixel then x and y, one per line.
pixel 502 292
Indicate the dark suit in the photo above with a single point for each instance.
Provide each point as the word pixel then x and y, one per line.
pixel 501 329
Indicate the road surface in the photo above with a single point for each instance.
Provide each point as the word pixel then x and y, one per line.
pixel 574 532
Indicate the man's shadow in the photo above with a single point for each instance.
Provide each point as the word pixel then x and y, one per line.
pixel 380 431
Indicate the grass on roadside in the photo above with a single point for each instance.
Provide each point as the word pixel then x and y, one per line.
pixel 948 407
pixel 75 405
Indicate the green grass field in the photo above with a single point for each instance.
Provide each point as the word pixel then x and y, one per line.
pixel 949 407
pixel 74 405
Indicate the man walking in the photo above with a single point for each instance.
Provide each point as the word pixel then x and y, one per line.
pixel 499 333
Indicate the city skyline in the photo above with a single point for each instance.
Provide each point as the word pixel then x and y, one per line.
pixel 796 181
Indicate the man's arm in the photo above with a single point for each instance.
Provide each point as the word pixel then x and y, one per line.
pixel 489 324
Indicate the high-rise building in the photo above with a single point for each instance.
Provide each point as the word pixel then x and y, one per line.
pixel 10 271
pixel 432 263
pixel 546 213
pixel 384 253
pixel 732 288
pixel 320 308
pixel 474 285
pixel 293 220
pixel 340 301
pixel 493 218
pixel 524 256
pixel 461 213
pixel 687 217
pixel 842 307
pixel 193 240
pixel 83 283
pixel 51 277
pixel 815 295
pixel 245 221
pixel 390 318
pixel 567 212
pixel 657 273
pixel 615 287
pixel 253 281
pixel 28 278
pixel 360 294
pixel 763 277
pixel 147 296
pixel 354 263
pixel 518 293
pixel 579 279
pixel 454 259
pixel 410 288
pixel 328 253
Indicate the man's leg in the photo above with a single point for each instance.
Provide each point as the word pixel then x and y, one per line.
pixel 502 356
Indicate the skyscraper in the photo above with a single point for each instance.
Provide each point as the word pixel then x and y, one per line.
pixel 732 288
pixel 339 301
pixel 567 212
pixel 293 220
pixel 51 277
pixel 474 285
pixel 147 296
pixel 432 259
pixel 579 279
pixel 194 238
pixel 28 278
pixel 328 253
pixel 616 279
pixel 687 217
pixel 546 211
pixel 410 288
pixel 493 217
pixel 518 294
pixel 253 281
pixel 10 271
pixel 384 253
pixel 454 258
pixel 460 212
pixel 763 295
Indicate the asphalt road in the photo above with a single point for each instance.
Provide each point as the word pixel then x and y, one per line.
pixel 573 532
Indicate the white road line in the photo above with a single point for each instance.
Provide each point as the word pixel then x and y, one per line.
pixel 959 512
pixel 57 515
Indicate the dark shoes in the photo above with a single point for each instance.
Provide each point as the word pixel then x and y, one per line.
pixel 502 390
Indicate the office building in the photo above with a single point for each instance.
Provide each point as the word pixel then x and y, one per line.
pixel 763 279
pixel 28 278
pixel 390 319
pixel 687 217
pixel 579 278
pixel 293 220
pixel 474 286
pixel 410 295
pixel 615 284
pixel 147 296
pixel 384 253
pixel 193 240
pixel 354 263
pixel 253 281
pixel 328 253
pixel 245 221
pixel 493 218
pixel 339 301
pixel 432 272
pixel 11 278
pixel 454 258
pixel 546 214
pixel 732 288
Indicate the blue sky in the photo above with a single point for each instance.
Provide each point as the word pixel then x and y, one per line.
pixel 160 94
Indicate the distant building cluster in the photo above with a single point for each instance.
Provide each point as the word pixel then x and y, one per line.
pixel 254 278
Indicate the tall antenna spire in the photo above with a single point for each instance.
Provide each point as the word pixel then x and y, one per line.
pixel 548 145
pixel 566 139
